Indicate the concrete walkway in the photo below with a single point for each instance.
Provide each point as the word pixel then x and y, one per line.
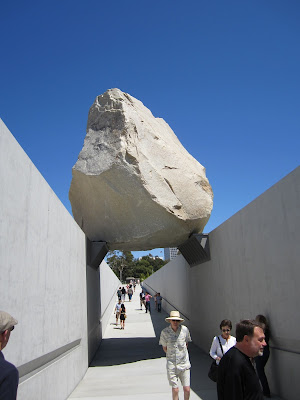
pixel 131 365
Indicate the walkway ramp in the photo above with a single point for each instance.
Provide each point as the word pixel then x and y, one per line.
pixel 130 364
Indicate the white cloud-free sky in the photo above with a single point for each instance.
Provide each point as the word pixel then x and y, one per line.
pixel 223 74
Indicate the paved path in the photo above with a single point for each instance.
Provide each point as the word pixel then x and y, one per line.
pixel 130 364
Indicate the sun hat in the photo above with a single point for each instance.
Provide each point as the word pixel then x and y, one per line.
pixel 6 321
pixel 175 316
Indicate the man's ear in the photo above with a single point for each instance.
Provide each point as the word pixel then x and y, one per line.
pixel 2 338
pixel 246 338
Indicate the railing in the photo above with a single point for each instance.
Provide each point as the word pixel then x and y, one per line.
pixel 284 349
pixel 172 305
pixel 34 366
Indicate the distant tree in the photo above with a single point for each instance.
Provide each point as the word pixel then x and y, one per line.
pixel 125 265
pixel 118 261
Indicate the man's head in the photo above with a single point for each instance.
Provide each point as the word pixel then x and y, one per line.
pixel 7 324
pixel 250 337
pixel 174 319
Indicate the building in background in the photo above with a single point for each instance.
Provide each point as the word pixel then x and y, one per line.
pixel 170 253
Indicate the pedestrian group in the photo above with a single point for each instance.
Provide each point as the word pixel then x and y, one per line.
pixel 238 362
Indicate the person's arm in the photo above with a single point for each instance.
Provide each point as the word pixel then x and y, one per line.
pixel 214 348
pixel 163 341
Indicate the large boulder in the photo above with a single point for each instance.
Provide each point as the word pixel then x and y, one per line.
pixel 134 185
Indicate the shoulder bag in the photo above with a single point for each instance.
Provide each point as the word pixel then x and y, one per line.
pixel 213 370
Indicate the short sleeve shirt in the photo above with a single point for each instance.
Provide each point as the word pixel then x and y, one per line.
pixel 177 352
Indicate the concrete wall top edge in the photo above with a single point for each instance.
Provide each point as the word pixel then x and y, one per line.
pixel 6 135
pixel 290 175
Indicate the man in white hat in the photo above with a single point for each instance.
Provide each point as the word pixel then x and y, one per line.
pixel 174 340
pixel 9 375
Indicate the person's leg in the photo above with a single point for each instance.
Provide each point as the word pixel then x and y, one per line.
pixel 186 391
pixel 173 381
pixel 175 392
pixel 185 378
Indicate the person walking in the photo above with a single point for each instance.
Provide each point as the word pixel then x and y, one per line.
pixel 220 345
pixel 158 301
pixel 9 375
pixel 174 339
pixel 123 290
pixel 142 299
pixel 119 293
pixel 147 300
pixel 118 310
pixel 122 316
pixel 130 292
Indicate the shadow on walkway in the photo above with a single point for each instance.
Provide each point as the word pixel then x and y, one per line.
pixel 130 364
pixel 123 351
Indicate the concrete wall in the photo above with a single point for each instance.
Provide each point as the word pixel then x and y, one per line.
pixel 254 269
pixel 102 286
pixel 42 279
pixel 109 284
pixel 171 282
pixel 93 310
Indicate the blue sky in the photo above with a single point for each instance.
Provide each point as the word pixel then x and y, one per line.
pixel 223 74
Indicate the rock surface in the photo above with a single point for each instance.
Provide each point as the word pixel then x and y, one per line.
pixel 134 185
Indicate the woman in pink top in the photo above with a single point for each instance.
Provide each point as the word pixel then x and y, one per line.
pixel 147 300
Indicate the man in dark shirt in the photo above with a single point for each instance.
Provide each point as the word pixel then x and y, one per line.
pixel 237 378
pixel 9 375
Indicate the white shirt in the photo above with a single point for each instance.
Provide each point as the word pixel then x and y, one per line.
pixel 118 307
pixel 215 350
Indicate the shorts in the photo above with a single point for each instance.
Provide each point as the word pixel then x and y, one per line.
pixel 174 374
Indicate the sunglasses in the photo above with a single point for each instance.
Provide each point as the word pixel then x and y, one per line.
pixel 225 330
